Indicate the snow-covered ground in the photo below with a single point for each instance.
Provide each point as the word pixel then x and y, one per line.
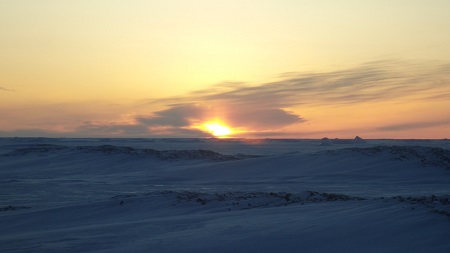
pixel 224 195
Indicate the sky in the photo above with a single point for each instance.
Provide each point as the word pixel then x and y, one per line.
pixel 245 69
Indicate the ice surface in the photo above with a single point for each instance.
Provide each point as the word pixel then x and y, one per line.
pixel 224 195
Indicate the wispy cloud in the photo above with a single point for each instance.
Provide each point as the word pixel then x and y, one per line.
pixel 138 129
pixel 413 125
pixel 264 107
pixel 374 81
pixel 175 116
pixel 5 89
pixel 268 108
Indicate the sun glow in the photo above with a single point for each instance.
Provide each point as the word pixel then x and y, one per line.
pixel 218 129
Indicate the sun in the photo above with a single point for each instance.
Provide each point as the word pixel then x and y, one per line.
pixel 218 129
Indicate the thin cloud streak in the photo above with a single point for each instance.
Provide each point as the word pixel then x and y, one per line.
pixel 413 125
pixel 371 82
pixel 135 130
pixel 5 89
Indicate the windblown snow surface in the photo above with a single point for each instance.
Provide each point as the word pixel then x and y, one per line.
pixel 223 195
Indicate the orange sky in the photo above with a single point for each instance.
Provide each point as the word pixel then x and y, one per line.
pixel 261 69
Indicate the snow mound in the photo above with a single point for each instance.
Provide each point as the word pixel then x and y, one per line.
pixel 426 156
pixel 165 155
pixel 235 201
pixel 436 204
pixel 359 140
pixel 325 142
pixel 328 142
pixel 13 208
pixel 36 148
pixel 238 200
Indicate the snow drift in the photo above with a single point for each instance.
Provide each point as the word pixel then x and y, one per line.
pixel 72 195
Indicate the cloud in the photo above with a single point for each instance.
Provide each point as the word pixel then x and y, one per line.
pixel 135 130
pixel 263 107
pixel 32 132
pixel 185 115
pixel 176 116
pixel 268 108
pixel 111 129
pixel 5 89
pixel 263 119
pixel 413 125
pixel 370 82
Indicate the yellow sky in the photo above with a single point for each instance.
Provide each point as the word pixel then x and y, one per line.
pixel 159 68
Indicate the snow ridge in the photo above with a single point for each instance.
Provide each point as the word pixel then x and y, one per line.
pixel 238 200
pixel 165 155
pixel 426 156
